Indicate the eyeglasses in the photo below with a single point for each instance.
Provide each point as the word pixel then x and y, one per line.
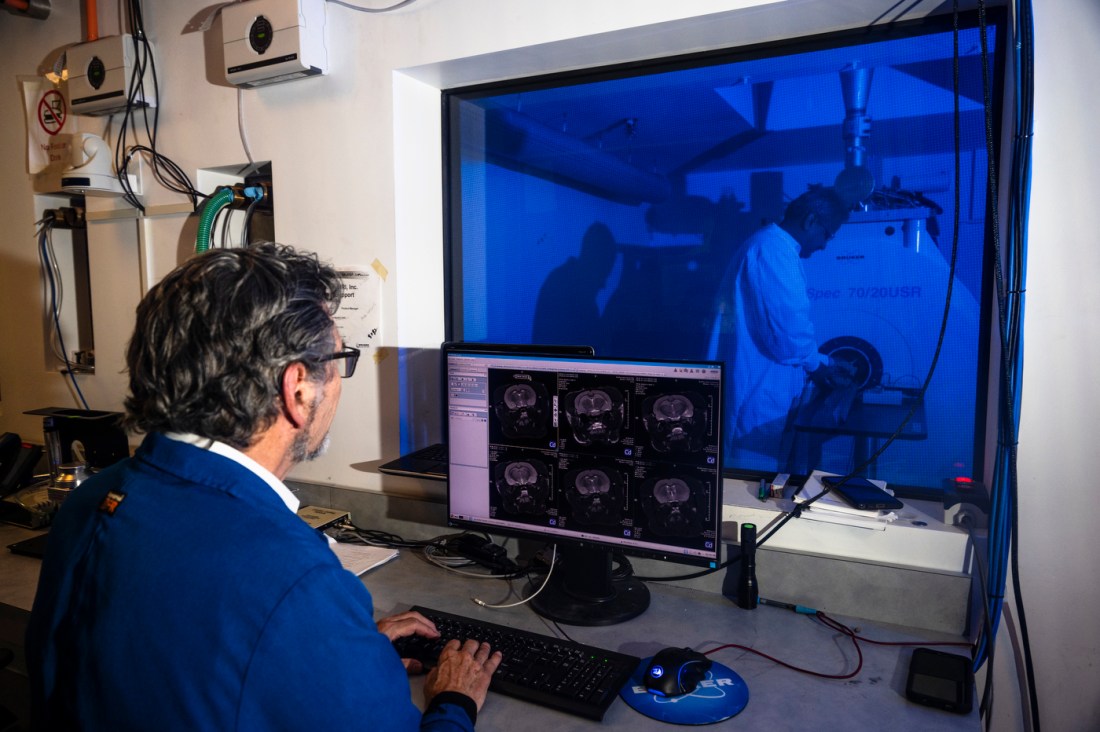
pixel 829 233
pixel 345 359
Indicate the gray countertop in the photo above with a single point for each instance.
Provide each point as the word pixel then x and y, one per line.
pixel 779 698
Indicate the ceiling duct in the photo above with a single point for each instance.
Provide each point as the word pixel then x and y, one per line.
pixel 519 142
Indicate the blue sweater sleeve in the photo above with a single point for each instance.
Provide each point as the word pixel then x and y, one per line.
pixel 321 663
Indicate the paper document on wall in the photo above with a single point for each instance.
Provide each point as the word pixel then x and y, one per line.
pixel 359 316
pixel 359 558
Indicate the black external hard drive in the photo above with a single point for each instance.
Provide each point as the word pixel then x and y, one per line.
pixel 942 680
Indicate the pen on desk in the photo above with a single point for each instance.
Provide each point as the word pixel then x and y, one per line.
pixel 788 606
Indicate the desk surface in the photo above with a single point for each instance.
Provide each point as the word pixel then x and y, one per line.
pixel 18 575
pixel 778 698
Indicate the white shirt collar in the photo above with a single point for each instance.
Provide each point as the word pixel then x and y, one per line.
pixel 220 448
pixel 788 236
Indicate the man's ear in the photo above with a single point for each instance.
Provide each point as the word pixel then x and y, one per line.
pixel 298 394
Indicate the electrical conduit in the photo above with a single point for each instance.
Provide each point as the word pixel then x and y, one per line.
pixel 91 15
pixel 216 203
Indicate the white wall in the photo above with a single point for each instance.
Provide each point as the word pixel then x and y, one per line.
pixel 1059 462
pixel 355 158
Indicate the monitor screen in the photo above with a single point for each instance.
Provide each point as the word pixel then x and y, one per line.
pixel 643 208
pixel 594 454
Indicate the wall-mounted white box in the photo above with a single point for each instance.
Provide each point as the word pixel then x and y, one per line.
pixel 101 75
pixel 273 41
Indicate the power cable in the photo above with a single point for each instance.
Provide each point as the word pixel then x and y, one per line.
pixel 246 227
pixel 243 132
pixel 1010 277
pixel 164 170
pixel 46 226
pixel 361 9
pixel 48 267
pixel 524 601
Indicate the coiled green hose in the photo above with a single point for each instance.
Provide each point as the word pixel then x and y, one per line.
pixel 217 202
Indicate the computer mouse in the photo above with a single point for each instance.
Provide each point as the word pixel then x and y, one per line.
pixel 675 671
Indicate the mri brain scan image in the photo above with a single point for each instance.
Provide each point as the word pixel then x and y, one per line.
pixel 595 415
pixel 596 495
pixel 523 409
pixel 676 422
pixel 523 486
pixel 670 507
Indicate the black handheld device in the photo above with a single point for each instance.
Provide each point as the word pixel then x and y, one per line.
pixel 941 680
pixel 861 493
pixel 748 592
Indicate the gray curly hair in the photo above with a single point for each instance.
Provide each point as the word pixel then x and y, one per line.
pixel 214 336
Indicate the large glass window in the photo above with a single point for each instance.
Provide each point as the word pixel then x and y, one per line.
pixel 646 210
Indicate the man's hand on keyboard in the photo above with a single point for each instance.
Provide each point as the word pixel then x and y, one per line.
pixel 403 625
pixel 466 668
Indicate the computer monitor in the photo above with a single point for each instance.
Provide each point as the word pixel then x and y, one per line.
pixel 430 461
pixel 595 455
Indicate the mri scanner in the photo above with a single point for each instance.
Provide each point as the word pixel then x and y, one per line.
pixel 877 295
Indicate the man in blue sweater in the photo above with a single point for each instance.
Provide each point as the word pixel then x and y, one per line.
pixel 180 591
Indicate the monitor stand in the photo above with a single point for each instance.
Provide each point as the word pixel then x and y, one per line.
pixel 581 590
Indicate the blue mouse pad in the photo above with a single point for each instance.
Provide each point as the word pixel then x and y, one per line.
pixel 721 695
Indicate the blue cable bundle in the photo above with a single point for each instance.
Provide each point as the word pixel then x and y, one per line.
pixel 1011 278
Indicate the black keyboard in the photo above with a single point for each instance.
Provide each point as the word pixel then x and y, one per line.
pixel 436 453
pixel 427 462
pixel 556 673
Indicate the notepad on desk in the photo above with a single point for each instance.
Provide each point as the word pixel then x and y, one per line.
pixel 361 558
pixel 832 509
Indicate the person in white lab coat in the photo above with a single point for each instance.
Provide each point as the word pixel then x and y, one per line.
pixel 764 332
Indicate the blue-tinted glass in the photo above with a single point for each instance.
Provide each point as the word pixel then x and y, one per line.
pixel 683 164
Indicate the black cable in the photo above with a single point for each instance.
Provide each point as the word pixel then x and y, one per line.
pixel 985 706
pixel 827 622
pixel 164 170
pixel 214 224
pixel 625 570
pixel 695 575
pixel 167 172
pixel 374 537
pixel 43 253
pixel 1018 214
pixel 1009 334
pixel 246 228
pixel 800 507
pixel 136 87
pixel 228 211
pixel 560 630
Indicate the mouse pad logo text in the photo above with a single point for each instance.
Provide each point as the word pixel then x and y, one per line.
pixel 718 696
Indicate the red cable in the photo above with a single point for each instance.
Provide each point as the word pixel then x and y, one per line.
pixel 845 630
